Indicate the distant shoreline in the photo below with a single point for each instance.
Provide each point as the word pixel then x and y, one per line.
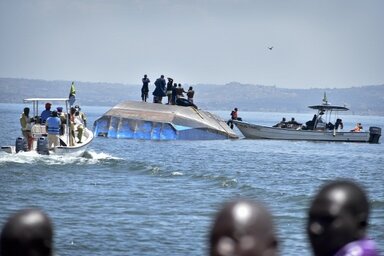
pixel 364 100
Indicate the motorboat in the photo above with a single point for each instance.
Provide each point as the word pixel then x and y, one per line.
pixel 68 145
pixel 154 121
pixel 326 125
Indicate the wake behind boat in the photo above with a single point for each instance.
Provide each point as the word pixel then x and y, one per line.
pixel 38 134
pixel 325 126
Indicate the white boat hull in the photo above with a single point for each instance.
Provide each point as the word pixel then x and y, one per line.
pixel 253 131
pixel 77 150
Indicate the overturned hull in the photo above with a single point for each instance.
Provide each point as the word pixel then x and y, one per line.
pixel 141 120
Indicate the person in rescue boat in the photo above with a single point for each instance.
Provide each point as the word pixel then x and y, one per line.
pixel 26 126
pixel 53 124
pixel 46 113
pixel 358 128
pixel 76 125
pixel 63 119
pixel 81 115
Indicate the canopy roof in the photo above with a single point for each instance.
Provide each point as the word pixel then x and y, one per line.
pixel 46 100
pixel 328 107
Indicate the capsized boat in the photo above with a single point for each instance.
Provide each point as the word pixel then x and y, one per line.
pixel 320 128
pixel 153 121
pixel 39 134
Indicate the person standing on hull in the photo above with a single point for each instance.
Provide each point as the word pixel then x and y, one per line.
pixel 243 228
pixel 159 91
pixel 338 220
pixel 26 126
pixel 53 125
pixel 174 93
pixel 169 90
pixel 190 94
pixel 180 91
pixel 145 88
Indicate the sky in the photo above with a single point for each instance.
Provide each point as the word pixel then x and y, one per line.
pixel 316 44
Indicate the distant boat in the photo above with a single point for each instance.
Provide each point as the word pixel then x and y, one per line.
pixel 39 134
pixel 315 130
pixel 153 121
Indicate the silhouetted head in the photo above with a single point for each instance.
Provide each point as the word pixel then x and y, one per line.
pixel 190 88
pixel 162 76
pixel 236 109
pixel 243 228
pixel 28 232
pixel 72 110
pixel 179 85
pixel 145 76
pixel 337 216
pixel 54 113
pixel 284 119
pixel 59 109
pixel 26 111
pixel 48 106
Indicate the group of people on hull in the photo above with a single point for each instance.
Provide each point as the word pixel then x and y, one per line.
pixel 336 225
pixel 173 91
pixel 55 122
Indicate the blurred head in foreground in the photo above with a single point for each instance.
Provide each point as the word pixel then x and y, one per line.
pixel 28 232
pixel 243 228
pixel 337 220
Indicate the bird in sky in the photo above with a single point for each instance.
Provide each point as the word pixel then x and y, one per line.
pixel 270 48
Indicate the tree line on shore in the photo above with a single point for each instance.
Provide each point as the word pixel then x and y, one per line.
pixel 363 100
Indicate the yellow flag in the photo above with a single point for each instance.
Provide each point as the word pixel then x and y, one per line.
pixel 72 94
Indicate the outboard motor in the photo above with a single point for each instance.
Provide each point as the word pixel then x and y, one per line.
pixel 42 146
pixel 21 144
pixel 374 134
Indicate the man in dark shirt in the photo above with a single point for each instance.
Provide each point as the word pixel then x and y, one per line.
pixel 144 88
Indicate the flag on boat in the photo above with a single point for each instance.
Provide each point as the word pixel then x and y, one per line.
pixel 72 94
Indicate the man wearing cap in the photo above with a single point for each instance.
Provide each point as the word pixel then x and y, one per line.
pixel 46 113
pixel 53 127
pixel 81 115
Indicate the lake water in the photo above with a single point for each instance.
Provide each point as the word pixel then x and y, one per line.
pixel 131 197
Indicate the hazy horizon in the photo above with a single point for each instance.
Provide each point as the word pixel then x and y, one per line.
pixel 316 44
